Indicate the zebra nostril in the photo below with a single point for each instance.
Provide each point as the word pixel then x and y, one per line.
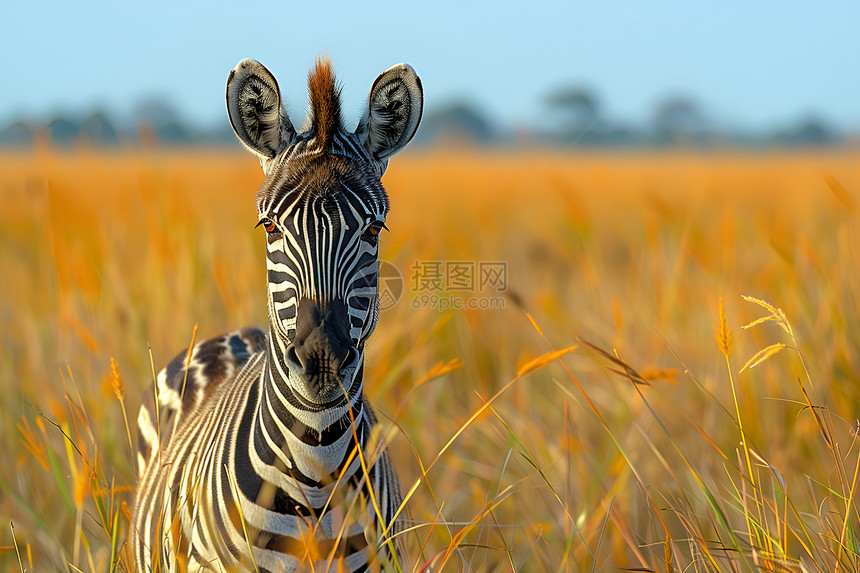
pixel 293 357
pixel 349 359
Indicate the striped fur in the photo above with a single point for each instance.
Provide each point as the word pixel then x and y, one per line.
pixel 186 382
pixel 255 458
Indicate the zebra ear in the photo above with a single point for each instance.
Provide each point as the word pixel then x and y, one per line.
pixel 393 112
pixel 254 107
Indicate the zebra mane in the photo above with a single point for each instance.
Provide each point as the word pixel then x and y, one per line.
pixel 324 92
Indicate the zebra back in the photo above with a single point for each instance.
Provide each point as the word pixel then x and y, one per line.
pixel 183 385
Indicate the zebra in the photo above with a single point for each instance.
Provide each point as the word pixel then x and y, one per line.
pixel 259 451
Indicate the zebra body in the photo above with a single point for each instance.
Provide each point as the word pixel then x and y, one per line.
pixel 258 450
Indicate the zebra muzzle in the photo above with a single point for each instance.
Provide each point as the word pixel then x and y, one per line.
pixel 322 358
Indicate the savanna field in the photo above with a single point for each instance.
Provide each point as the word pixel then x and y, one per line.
pixel 602 408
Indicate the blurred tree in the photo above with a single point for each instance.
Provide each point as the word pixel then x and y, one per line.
pixel 63 132
pixel 815 131
pixel 678 119
pixel 218 134
pixel 620 135
pixel 811 131
pixel 157 119
pixel 17 134
pixel 575 113
pixel 458 120
pixel 154 110
pixel 99 130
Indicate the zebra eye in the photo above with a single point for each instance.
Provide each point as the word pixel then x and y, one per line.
pixel 371 234
pixel 267 224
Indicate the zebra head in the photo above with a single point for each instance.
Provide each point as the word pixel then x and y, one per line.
pixel 322 206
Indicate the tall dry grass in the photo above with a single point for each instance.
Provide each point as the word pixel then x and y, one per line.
pixel 652 445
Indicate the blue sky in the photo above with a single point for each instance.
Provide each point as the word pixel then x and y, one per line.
pixel 751 64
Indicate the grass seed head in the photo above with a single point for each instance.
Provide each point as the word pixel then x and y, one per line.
pixel 723 333
pixel 116 381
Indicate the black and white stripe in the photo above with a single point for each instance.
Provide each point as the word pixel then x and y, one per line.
pixel 260 452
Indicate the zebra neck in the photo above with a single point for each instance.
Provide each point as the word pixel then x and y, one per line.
pixel 317 443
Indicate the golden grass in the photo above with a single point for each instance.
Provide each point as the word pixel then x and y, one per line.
pixel 649 445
